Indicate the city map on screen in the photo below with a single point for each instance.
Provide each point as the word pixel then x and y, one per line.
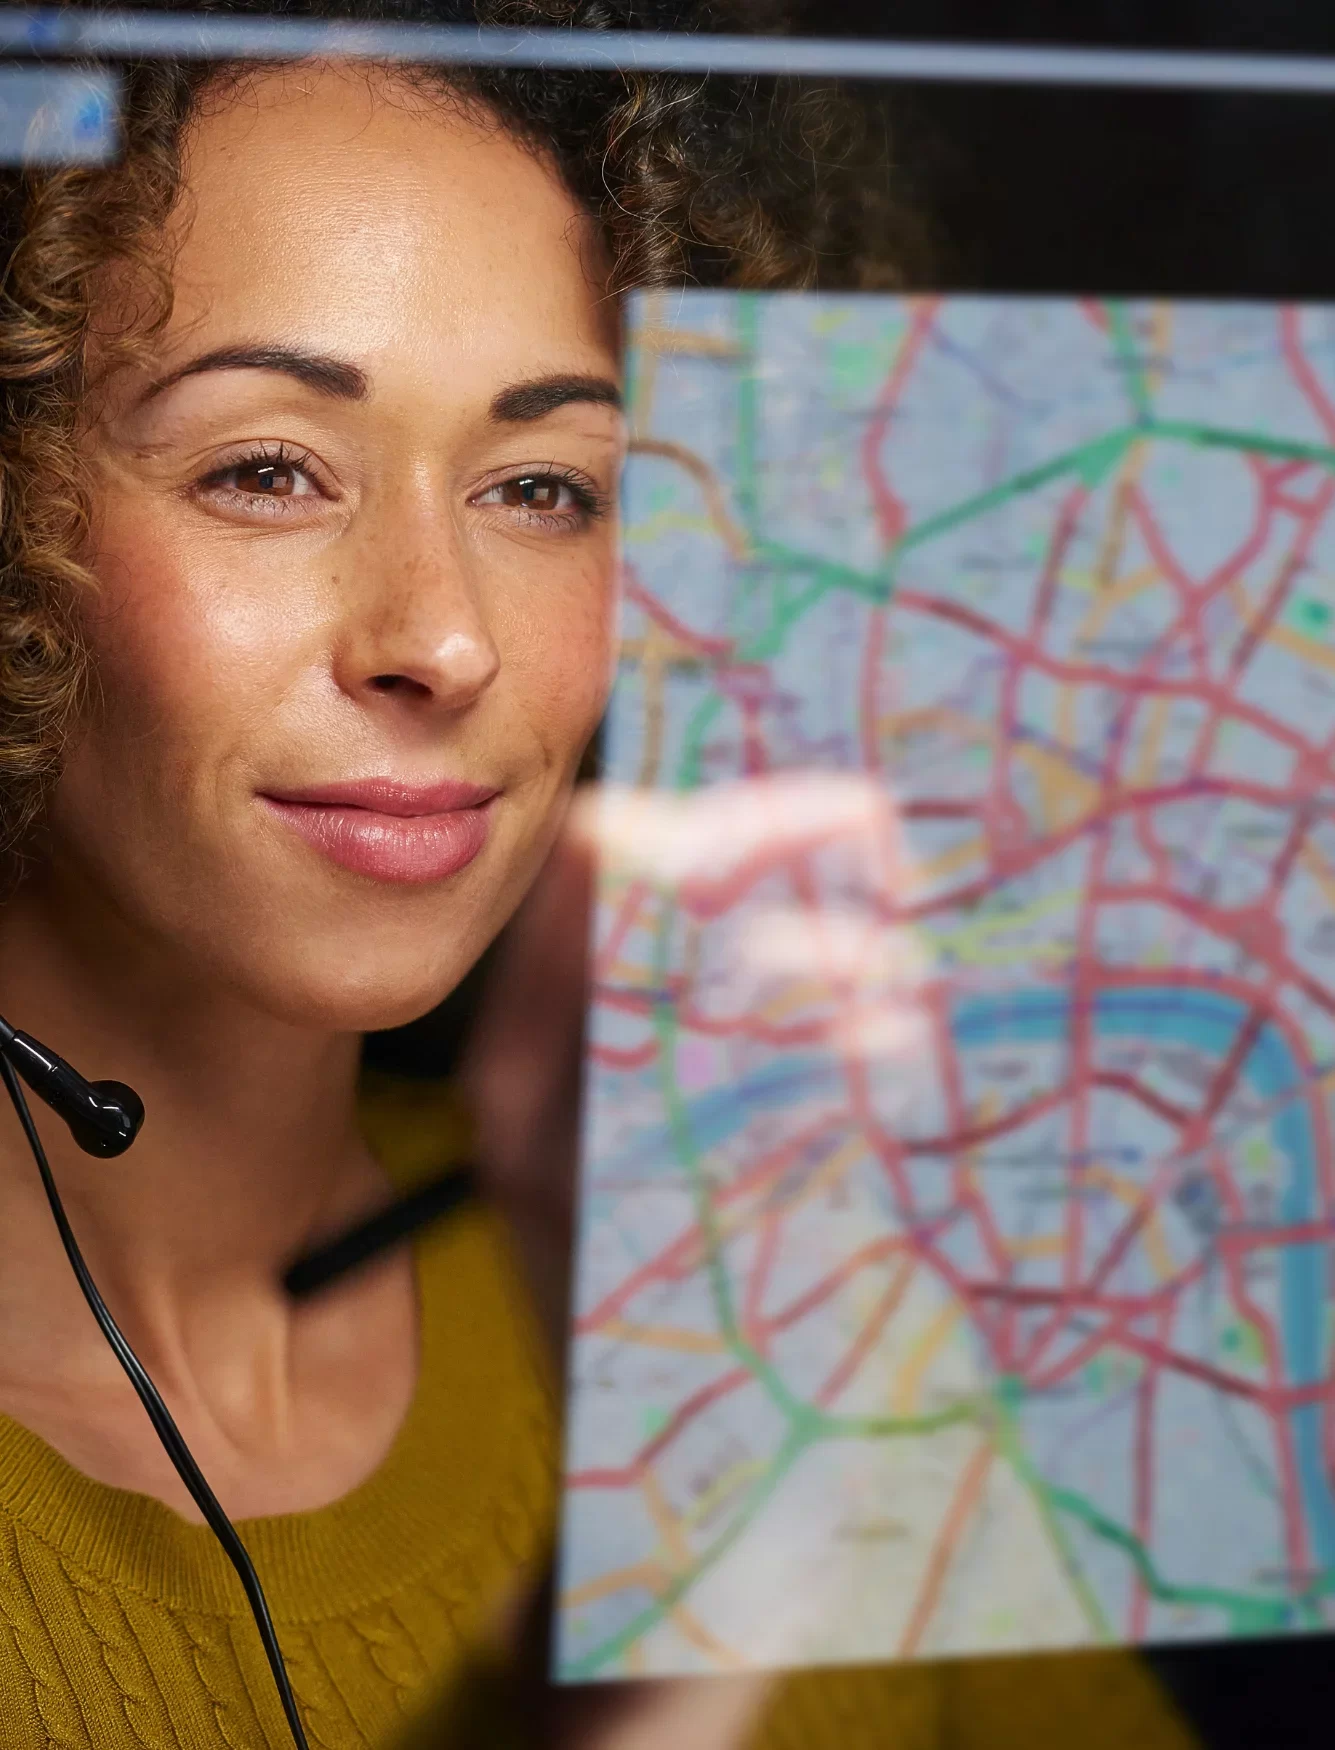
pixel 957 1223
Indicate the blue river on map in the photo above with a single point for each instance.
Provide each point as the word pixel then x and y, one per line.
pixel 1210 1021
pixel 1206 1020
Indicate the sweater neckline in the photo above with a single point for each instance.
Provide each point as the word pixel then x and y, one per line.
pixel 314 1565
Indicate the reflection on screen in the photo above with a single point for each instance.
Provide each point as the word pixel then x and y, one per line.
pixel 959 1189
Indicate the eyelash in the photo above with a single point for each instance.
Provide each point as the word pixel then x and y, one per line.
pixel 262 456
pixel 591 505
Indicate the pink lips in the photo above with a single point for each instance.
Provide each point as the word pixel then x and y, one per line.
pixel 388 830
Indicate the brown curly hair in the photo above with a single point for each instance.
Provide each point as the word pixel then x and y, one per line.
pixel 707 180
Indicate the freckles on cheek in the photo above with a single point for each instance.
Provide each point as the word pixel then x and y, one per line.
pixel 568 666
pixel 186 654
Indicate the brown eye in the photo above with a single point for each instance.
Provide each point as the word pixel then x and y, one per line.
pixel 551 500
pixel 265 479
pixel 532 492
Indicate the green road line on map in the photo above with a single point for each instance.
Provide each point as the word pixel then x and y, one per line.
pixel 831 1427
pixel 1098 456
pixel 1011 1447
pixel 1246 1615
pixel 1213 437
pixel 765 1375
pixel 692 741
pixel 1091 461
pixel 1124 346
pixel 580 1670
pixel 829 572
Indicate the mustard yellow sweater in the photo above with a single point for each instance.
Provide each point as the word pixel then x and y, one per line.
pixel 122 1625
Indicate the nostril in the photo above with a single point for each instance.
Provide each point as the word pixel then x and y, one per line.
pixel 400 683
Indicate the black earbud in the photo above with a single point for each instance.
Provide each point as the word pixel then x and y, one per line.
pixel 103 1117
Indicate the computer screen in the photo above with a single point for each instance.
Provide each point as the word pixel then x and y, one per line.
pixel 956 1227
pixel 929 599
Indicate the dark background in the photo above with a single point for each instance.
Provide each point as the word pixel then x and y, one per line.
pixel 1065 190
pixel 1040 189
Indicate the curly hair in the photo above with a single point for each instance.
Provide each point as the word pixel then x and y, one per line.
pixel 699 179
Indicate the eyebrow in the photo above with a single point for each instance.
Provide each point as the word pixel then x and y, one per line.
pixel 327 376
pixel 543 395
pixel 518 404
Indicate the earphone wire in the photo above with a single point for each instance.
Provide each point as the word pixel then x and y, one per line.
pixel 173 1441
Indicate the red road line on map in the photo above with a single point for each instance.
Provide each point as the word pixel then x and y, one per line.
pixel 974 1135
pixel 970 1487
pixel 706 898
pixel 624 1059
pixel 1142 1510
pixel 964 1191
pixel 1078 1299
pixel 886 504
pixel 682 1255
pixel 1133 685
pixel 1235 925
pixel 874 1252
pixel 752 1320
pixel 1196 592
pixel 1294 562
pixel 1003 818
pixel 701 643
pixel 1160 552
pixel 1044 850
pixel 1122 1082
pixel 1300 368
pixel 685 1413
pixel 1116 1334
pixel 1292 1233
pixel 942 810
pixel 889 1151
pixel 861 1346
pixel 869 712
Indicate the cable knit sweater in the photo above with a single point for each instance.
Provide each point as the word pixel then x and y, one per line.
pixel 122 1625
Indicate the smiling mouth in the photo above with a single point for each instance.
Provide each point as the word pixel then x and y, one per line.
pixel 389 831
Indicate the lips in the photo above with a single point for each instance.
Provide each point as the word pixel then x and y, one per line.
pixel 388 830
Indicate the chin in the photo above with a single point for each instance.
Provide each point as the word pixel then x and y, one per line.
pixel 328 986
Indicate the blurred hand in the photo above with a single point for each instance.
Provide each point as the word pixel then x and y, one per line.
pixel 523 1065
pixel 523 1068
pixel 710 854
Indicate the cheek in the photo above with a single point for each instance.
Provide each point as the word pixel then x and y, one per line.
pixel 563 646
pixel 185 654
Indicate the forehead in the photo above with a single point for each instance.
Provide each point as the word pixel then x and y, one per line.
pixel 349 211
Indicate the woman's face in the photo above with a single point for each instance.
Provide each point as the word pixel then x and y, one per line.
pixel 355 539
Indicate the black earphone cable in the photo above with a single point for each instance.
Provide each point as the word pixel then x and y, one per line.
pixel 160 1416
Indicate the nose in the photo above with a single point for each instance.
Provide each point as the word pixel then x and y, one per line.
pixel 418 629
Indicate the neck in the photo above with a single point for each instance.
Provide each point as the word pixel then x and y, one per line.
pixel 250 1145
